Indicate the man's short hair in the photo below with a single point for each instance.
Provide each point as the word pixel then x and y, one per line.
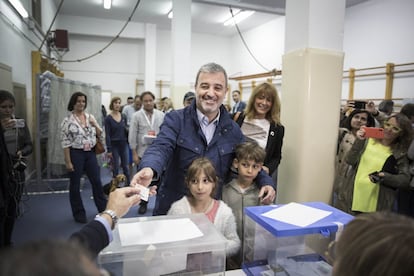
pixel 188 96
pixel 211 68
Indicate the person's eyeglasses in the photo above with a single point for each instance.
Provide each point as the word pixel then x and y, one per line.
pixel 393 128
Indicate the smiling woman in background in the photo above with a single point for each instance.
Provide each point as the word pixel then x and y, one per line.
pixel 261 122
pixel 78 133
pixel 381 167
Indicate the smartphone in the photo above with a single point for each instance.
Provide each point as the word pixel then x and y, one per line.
pixel 374 132
pixel 20 123
pixel 374 177
pixel 359 104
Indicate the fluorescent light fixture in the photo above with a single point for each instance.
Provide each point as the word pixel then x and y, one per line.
pixel 19 8
pixel 240 16
pixel 170 14
pixel 107 4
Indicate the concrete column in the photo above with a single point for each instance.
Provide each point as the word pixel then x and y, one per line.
pixel 181 50
pixel 150 57
pixel 311 88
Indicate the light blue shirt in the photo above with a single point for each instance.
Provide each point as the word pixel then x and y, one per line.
pixel 207 128
pixel 107 227
pixel 235 107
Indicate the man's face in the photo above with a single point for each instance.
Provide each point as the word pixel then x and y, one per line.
pixel 188 102
pixel 130 101
pixel 148 103
pixel 210 92
pixel 137 104
pixel 236 97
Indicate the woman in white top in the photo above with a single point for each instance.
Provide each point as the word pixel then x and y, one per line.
pixel 78 134
pixel 261 122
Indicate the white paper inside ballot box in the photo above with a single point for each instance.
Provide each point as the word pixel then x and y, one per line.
pixel 158 231
pixel 152 233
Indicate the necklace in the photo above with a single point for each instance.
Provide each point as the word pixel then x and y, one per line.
pixel 81 119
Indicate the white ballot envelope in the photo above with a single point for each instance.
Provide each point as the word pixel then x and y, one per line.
pixel 148 139
pixel 144 192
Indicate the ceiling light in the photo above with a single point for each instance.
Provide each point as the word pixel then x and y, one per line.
pixel 240 16
pixel 107 4
pixel 170 14
pixel 19 8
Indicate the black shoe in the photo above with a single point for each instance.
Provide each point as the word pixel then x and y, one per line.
pixel 142 209
pixel 80 219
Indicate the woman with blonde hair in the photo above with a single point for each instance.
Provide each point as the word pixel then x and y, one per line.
pixel 261 122
pixel 167 105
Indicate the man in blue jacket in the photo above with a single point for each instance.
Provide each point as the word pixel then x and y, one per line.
pixel 239 105
pixel 203 128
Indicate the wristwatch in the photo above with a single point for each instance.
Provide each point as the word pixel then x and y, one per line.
pixel 113 215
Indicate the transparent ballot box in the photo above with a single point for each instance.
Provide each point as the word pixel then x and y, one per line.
pixel 290 239
pixel 165 245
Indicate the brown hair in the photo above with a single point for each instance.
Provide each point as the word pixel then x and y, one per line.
pixel 114 99
pixel 269 91
pixel 202 164
pixel 379 243
pixel 47 257
pixel 250 150
pixel 74 98
pixel 402 142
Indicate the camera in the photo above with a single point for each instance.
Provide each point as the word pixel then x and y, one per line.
pixel 20 123
pixel 17 123
pixel 359 104
pixel 20 165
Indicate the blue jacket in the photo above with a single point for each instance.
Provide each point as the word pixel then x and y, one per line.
pixel 240 108
pixel 180 141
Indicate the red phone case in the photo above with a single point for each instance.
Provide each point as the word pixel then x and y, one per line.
pixel 374 132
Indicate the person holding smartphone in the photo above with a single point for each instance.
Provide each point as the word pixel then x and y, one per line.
pixel 19 145
pixel 346 137
pixel 380 166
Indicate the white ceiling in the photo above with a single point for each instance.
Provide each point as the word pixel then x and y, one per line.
pixel 207 15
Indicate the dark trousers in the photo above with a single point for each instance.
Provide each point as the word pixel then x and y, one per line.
pixel 120 151
pixel 3 212
pixel 406 202
pixel 85 161
pixel 12 209
pixel 7 220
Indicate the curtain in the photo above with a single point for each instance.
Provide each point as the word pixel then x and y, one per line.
pixel 55 93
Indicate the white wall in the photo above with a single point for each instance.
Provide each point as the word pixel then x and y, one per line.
pixel 15 51
pixel 376 32
pixel 115 69
pixel 266 43
pixel 209 48
pixel 17 42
